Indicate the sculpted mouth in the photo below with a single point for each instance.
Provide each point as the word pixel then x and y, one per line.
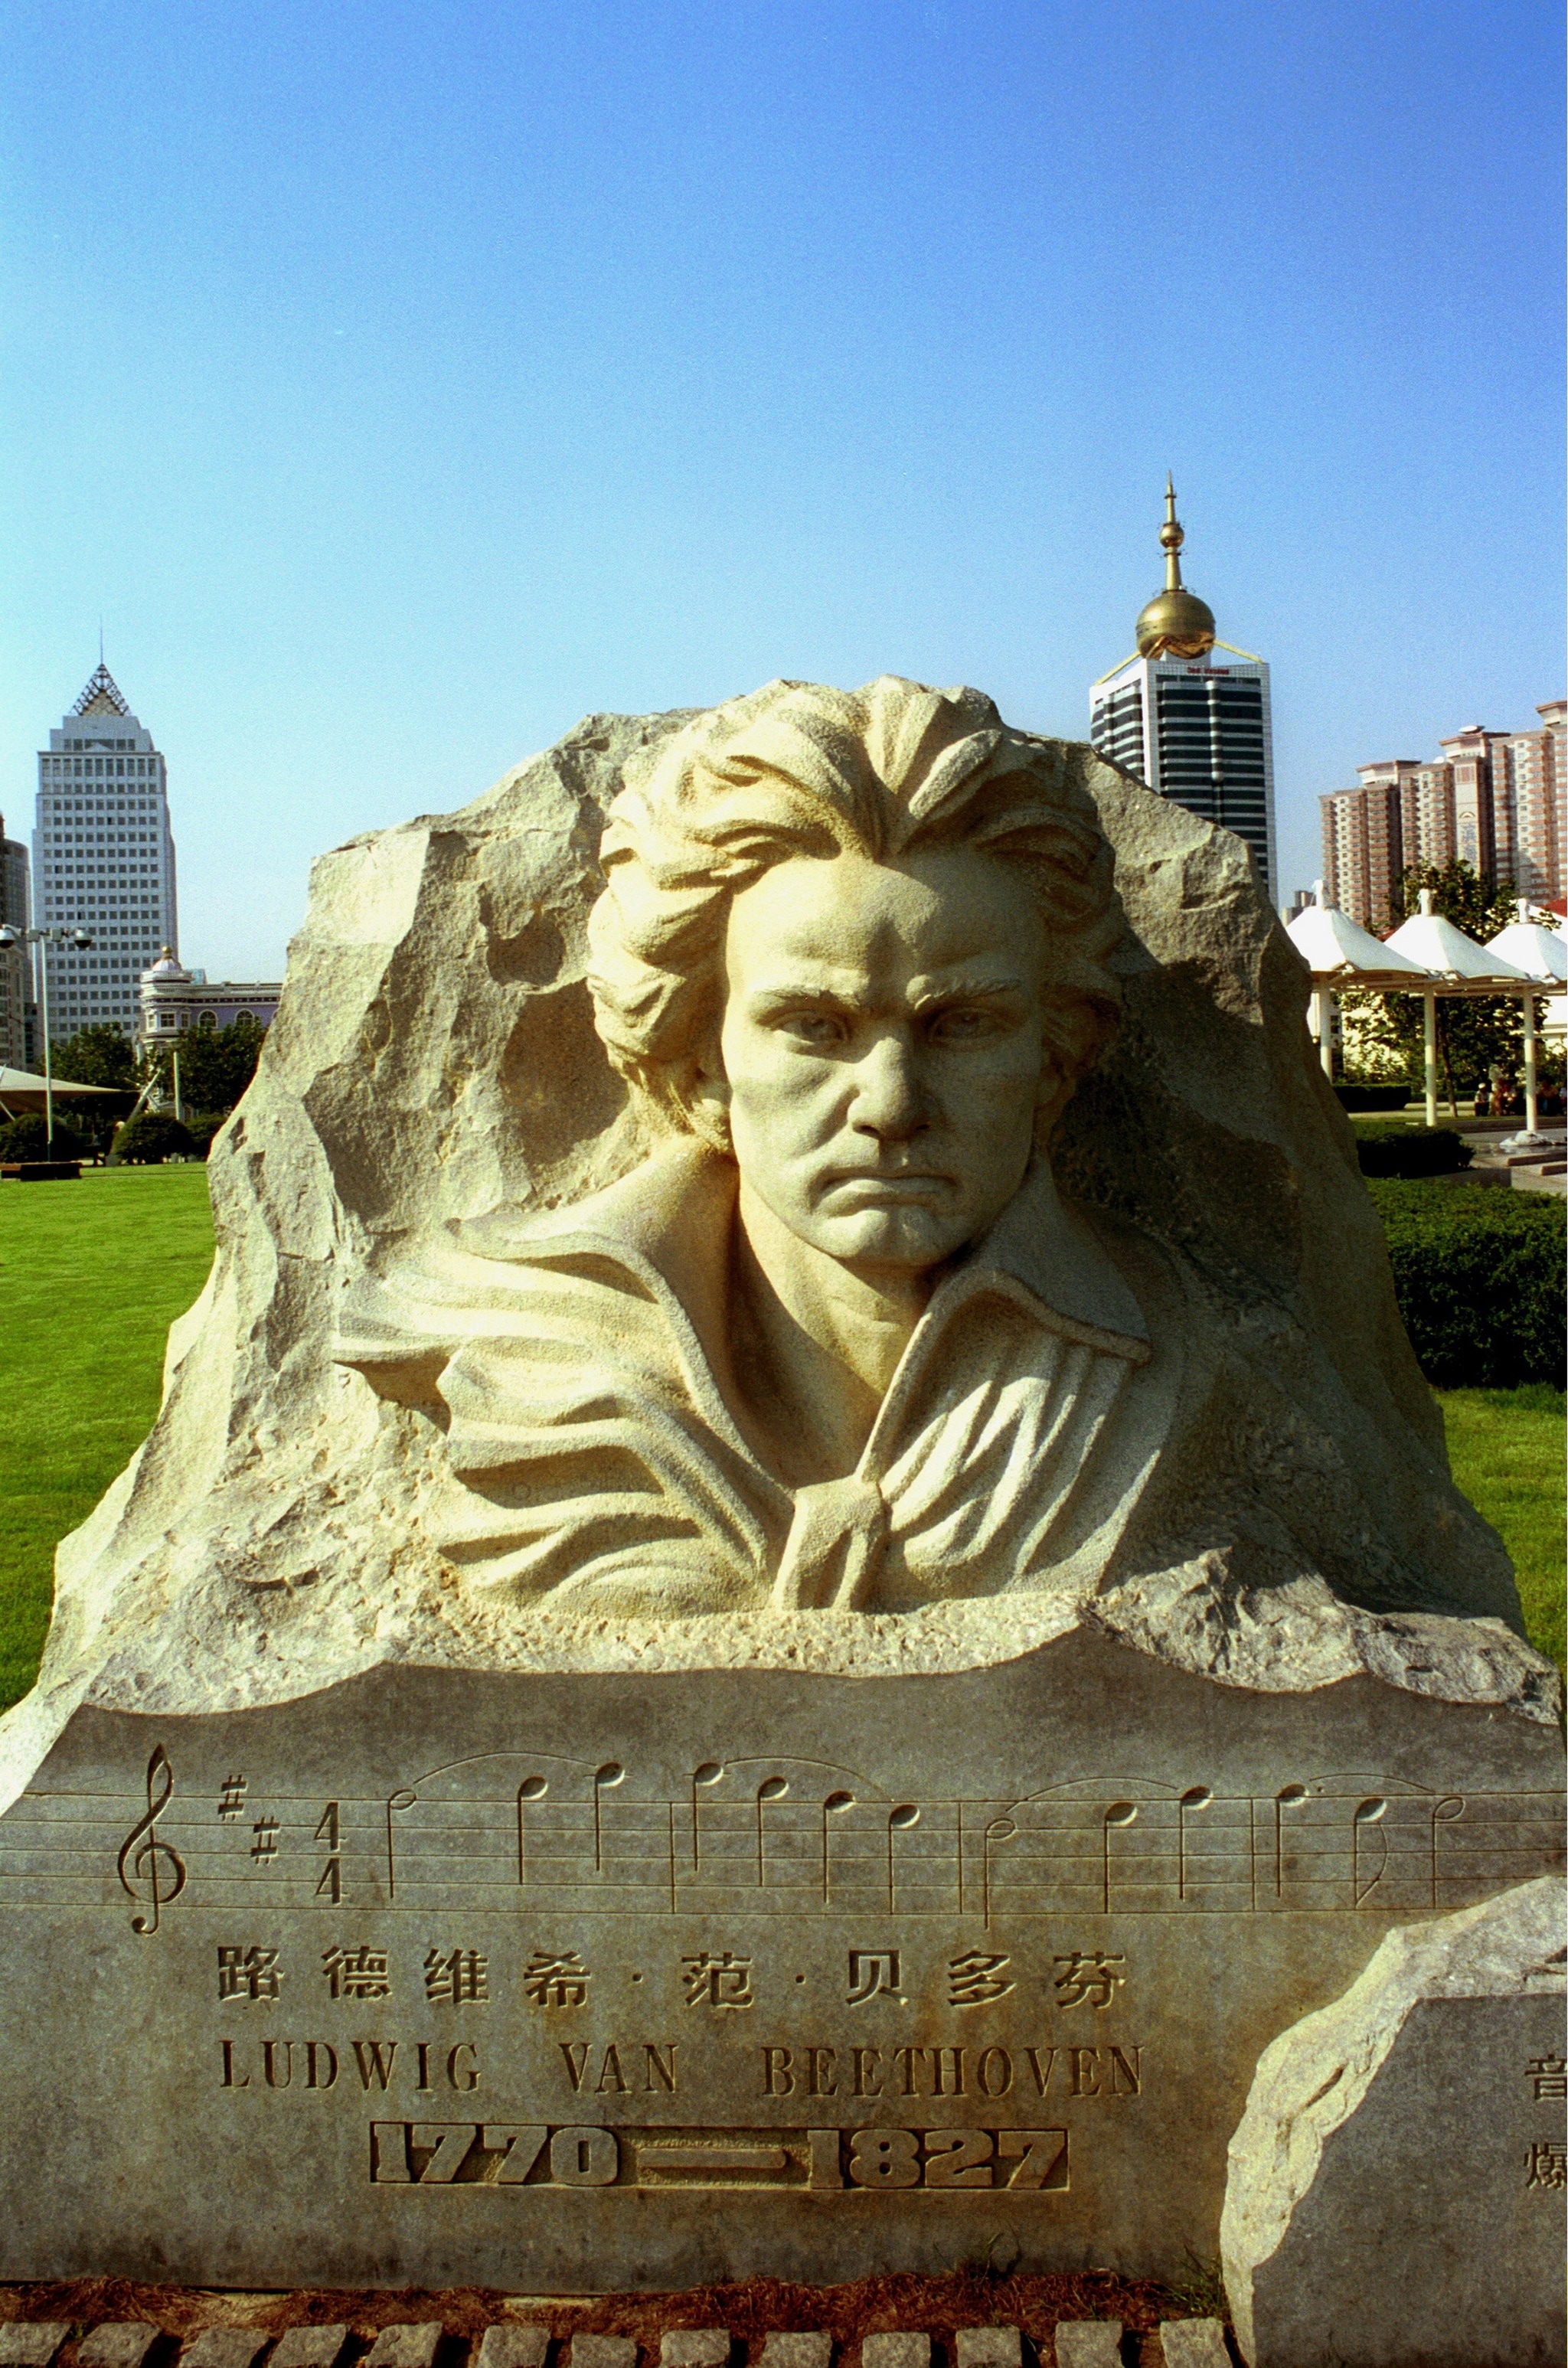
pixel 896 1180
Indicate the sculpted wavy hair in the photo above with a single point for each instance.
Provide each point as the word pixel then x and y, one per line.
pixel 797 769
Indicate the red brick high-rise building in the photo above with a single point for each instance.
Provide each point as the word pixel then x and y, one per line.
pixel 1496 799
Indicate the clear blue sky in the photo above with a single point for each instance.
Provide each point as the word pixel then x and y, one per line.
pixel 402 382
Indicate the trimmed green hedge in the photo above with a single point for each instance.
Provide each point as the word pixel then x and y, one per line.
pixel 1478 1274
pixel 1426 1151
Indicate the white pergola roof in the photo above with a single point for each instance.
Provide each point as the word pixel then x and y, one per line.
pixel 1538 953
pixel 22 1083
pixel 1449 957
pixel 1339 952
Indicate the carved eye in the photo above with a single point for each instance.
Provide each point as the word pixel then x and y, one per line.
pixel 820 1030
pixel 964 1023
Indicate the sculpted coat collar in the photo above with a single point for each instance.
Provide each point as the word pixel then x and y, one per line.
pixel 664 1219
pixel 594 1452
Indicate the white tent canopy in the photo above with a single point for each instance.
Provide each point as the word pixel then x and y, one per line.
pixel 1539 952
pixel 1442 950
pixel 22 1092
pixel 1337 949
pixel 1428 955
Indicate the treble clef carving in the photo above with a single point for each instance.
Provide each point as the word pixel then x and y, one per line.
pixel 142 1853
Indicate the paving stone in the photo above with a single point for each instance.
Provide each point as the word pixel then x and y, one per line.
pixel 1194 2343
pixel 603 2352
pixel 411 2345
pixel 896 2351
pixel 117 2343
pixel 310 2347
pixel 31 2343
pixel 1088 2343
pixel 223 2346
pixel 512 2347
pixel 807 2351
pixel 989 2347
pixel 695 2347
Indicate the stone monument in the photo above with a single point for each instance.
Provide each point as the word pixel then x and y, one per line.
pixel 794 1558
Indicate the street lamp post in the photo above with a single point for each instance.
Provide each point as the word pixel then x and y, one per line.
pixel 76 942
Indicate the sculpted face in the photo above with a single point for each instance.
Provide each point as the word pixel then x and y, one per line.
pixel 883 1051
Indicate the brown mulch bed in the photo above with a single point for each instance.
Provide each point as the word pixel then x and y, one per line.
pixel 935 2306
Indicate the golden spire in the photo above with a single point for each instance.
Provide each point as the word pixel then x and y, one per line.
pixel 1176 623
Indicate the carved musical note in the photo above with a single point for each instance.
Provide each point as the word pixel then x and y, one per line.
pixel 708 1773
pixel 772 1788
pixel 1444 1813
pixel 1290 1797
pixel 1368 1848
pixel 899 1821
pixel 1121 1813
pixel 532 1788
pixel 405 1799
pixel 1196 1797
pixel 833 1807
pixel 146 1854
pixel 605 1779
pixel 1000 1829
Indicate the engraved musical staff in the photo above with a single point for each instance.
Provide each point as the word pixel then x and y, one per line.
pixel 782 1836
pixel 144 1853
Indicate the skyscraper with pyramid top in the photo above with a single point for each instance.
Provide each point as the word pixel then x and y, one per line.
pixel 103 859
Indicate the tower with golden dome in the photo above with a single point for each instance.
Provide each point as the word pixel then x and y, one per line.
pixel 1196 728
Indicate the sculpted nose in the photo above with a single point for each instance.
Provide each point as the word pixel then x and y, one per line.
pixel 889 1101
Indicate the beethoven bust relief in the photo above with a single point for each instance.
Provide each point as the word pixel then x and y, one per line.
pixel 837 1341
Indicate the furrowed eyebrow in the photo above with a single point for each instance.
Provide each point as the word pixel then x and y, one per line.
pixel 808 991
pixel 959 990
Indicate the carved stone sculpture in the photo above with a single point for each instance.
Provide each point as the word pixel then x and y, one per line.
pixel 795 1584
pixel 1013 1265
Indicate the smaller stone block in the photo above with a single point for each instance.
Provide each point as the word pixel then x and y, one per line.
pixel 603 2352
pixel 117 2343
pixel 1088 2343
pixel 695 2347
pixel 310 2347
pixel 1194 2343
pixel 512 2347
pixel 31 2343
pixel 411 2345
pixel 223 2346
pixel 989 2347
pixel 896 2351
pixel 808 2351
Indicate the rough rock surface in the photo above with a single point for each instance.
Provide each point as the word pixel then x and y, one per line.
pixel 434 1060
pixel 1385 2204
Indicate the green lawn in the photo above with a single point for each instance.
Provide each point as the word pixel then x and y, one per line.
pixel 1506 1449
pixel 92 1275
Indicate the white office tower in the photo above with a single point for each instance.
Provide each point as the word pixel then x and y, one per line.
pixel 102 859
pixel 1196 733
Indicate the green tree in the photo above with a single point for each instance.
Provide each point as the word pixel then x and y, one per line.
pixel 1475 1034
pixel 99 1055
pixel 216 1065
pixel 147 1140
